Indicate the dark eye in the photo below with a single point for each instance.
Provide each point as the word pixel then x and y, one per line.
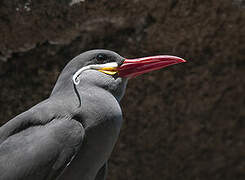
pixel 101 57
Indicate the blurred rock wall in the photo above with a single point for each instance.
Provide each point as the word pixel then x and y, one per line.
pixel 185 122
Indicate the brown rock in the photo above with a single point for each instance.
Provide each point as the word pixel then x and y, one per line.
pixel 186 122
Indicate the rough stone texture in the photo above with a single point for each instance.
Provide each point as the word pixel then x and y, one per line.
pixel 186 122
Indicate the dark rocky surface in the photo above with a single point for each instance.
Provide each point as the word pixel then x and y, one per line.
pixel 185 122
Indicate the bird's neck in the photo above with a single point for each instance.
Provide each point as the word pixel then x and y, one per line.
pixel 64 83
pixel 101 85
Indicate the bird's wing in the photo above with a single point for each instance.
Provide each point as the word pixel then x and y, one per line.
pixel 40 152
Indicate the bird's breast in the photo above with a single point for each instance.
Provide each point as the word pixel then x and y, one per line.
pixel 101 109
pixel 102 118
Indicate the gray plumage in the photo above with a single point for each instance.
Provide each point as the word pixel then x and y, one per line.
pixel 69 135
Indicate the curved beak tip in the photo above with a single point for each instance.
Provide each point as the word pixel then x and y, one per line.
pixel 182 60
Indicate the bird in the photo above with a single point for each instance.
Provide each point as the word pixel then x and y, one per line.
pixel 71 134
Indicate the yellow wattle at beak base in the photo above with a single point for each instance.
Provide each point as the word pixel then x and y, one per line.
pixel 108 70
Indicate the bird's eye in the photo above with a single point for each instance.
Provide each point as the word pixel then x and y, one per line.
pixel 101 57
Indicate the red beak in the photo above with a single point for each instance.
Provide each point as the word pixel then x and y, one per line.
pixel 134 67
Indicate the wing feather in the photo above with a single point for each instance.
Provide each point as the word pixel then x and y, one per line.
pixel 40 152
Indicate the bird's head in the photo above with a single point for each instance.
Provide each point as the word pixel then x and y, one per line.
pixel 109 70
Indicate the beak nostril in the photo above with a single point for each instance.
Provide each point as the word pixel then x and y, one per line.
pixel 120 62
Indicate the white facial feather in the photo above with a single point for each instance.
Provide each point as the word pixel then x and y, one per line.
pixel 75 77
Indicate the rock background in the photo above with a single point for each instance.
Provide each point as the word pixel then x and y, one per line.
pixel 185 122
